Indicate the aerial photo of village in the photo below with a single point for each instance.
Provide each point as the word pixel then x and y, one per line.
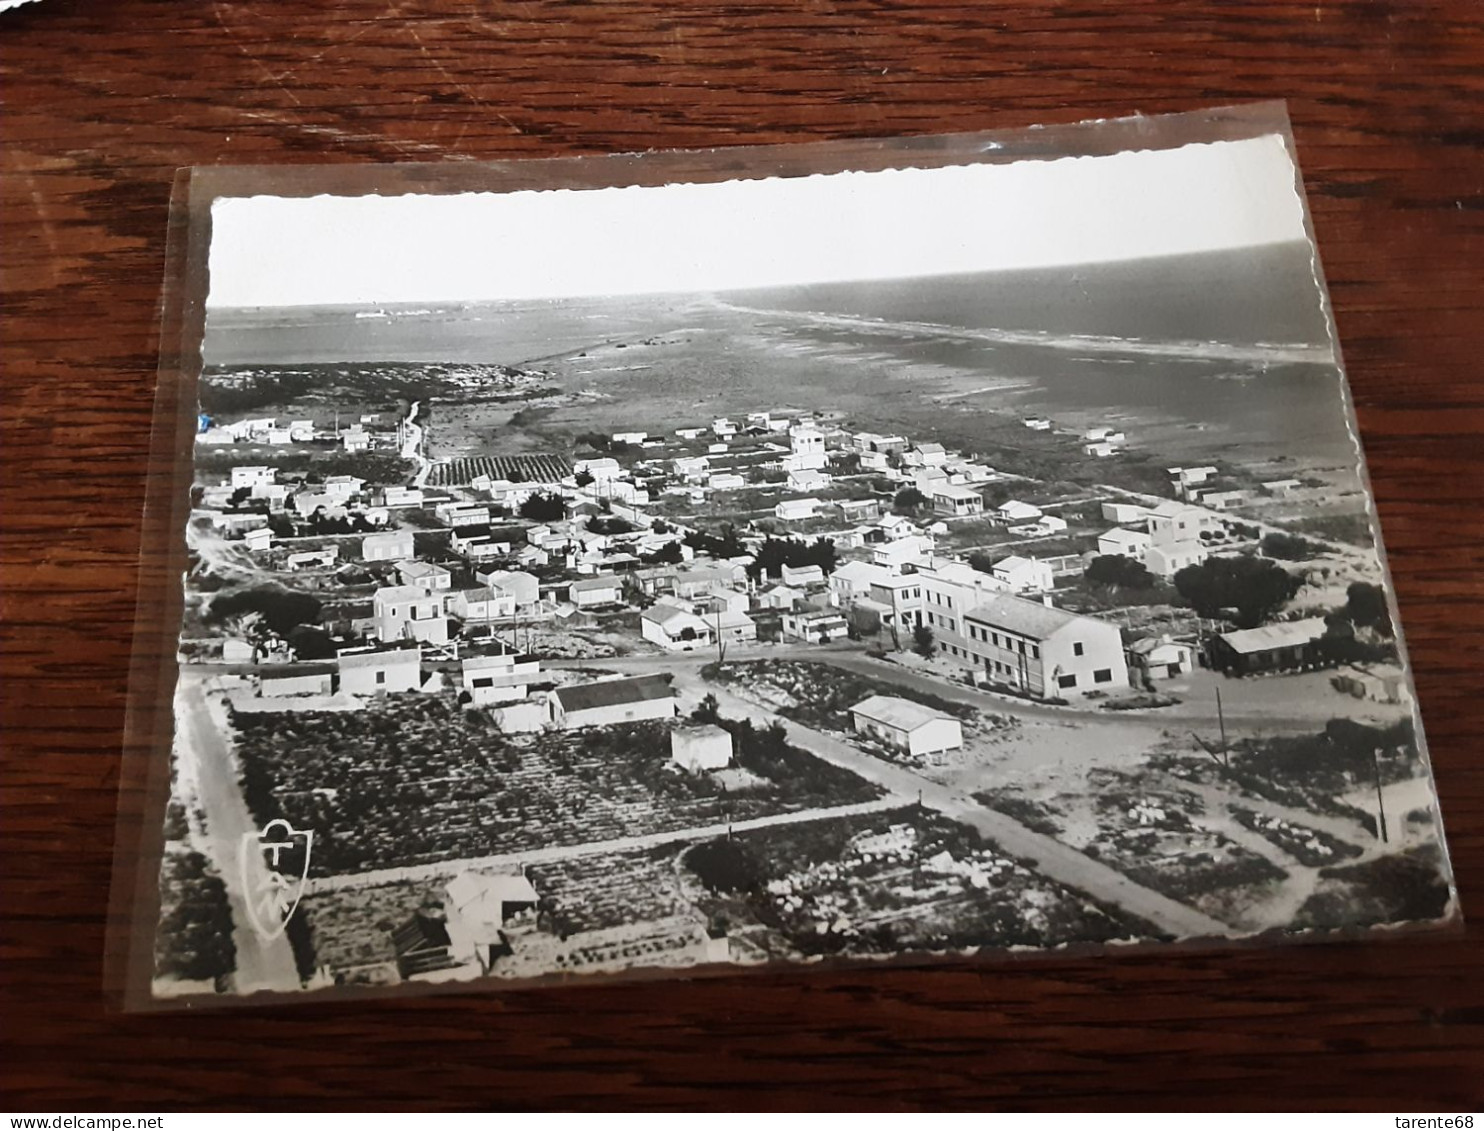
pixel 596 635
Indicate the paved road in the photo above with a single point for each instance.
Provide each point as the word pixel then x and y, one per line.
pixel 355 880
pixel 203 743
pixel 1052 858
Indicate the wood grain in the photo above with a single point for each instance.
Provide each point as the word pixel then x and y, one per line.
pixel 105 100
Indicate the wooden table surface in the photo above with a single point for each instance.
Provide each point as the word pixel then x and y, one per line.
pixel 105 98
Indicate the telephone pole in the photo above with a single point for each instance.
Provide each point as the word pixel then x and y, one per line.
pixel 1380 799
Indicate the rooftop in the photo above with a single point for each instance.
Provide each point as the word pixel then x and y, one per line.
pixel 1284 635
pixel 902 714
pixel 614 692
pixel 401 593
pixel 1028 618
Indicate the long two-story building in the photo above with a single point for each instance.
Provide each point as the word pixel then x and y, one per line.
pixel 1043 651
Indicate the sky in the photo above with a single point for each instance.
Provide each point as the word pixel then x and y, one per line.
pixel 743 234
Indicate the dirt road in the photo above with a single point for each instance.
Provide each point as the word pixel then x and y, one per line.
pixel 206 756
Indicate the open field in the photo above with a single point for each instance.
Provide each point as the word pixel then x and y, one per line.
pixel 416 780
pixel 901 881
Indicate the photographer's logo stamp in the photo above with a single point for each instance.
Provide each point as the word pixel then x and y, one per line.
pixel 275 872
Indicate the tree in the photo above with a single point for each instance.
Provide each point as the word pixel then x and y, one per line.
pixel 1365 605
pixel 923 643
pixel 311 643
pixel 1289 547
pixel 584 478
pixel 281 609
pixel 908 500
pixel 1115 569
pixel 544 507
pixel 240 496
pixel 775 553
pixel 728 545
pixel 668 554
pixel 1254 587
pixel 708 710
pixel 982 561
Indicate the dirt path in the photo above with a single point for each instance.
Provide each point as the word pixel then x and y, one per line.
pixel 438 868
pixel 204 749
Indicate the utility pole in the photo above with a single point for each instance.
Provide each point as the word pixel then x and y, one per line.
pixel 1380 799
pixel 1226 756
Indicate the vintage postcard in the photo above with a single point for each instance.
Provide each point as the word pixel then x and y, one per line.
pixel 904 550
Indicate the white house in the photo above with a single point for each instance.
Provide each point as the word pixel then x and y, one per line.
pixel 801 575
pixel 931 455
pixel 807 479
pixel 403 497
pixel 1037 424
pixel 690 433
pixel 355 439
pixel 1016 511
pixel 793 510
pixel 1166 561
pixel 906 725
pixel 480 605
pixel 700 747
pixel 956 500
pixel 815 626
pixel 592 592
pixel 478 908
pixel 635 439
pixel 806 449
pixel 424 575
pixel 497 679
pixel 852 580
pixel 259 539
pixel 1043 651
pixel 1281 487
pixel 344 487
pixel 369 671
pixel 1023 575
pixel 1223 500
pixel 295 679
pixel 611 701
pixel 1125 514
pixel 781 597
pixel 913 550
pixel 726 481
pixel 708 578
pixel 1124 543
pixel 405 612
pixel 523 588
pixel 600 468
pixel 463 514
pixel 252 476
pixel 1160 657
pixel 387 546
pixel 1046 524
pixel 675 626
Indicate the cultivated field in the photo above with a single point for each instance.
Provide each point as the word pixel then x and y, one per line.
pixel 416 780
pixel 537 467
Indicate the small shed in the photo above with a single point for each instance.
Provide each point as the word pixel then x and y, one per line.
pixel 907 725
pixel 700 748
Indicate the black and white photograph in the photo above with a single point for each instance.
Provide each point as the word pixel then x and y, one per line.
pixel 974 559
